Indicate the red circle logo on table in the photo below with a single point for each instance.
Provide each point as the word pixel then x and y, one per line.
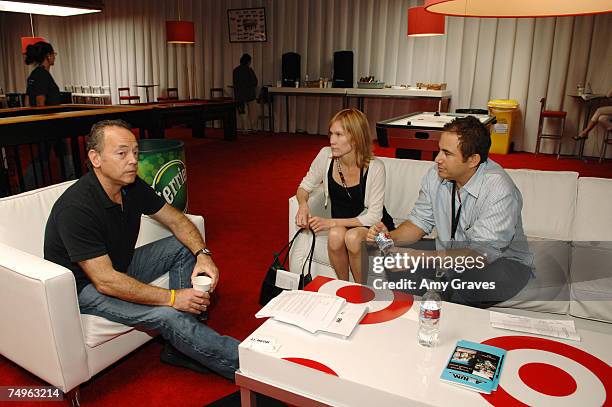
pixel 547 379
pixel 358 294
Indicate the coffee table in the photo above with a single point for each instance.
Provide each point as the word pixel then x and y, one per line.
pixel 382 364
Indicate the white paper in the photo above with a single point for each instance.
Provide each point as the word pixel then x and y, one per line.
pixel 287 280
pixel 558 328
pixel 311 311
pixel 265 344
pixel 347 319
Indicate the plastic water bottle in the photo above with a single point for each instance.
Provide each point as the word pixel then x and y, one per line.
pixel 429 319
pixel 384 242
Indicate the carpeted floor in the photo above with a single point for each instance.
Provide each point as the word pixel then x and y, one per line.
pixel 241 188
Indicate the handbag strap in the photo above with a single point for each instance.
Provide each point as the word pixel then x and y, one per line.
pixel 287 247
pixel 309 260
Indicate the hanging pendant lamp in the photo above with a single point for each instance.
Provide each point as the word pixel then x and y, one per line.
pixel 518 8
pixel 180 32
pixel 422 23
pixel 25 41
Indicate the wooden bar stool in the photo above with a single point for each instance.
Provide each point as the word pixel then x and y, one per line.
pixel 551 115
pixel 127 97
pixel 172 94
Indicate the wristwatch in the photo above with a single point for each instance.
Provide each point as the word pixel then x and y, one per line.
pixel 203 250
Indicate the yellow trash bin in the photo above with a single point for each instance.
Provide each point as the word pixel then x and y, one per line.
pixel 501 132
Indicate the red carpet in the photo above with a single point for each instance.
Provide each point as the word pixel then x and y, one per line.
pixel 241 188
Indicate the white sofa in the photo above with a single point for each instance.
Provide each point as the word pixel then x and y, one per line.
pixel 567 219
pixel 42 329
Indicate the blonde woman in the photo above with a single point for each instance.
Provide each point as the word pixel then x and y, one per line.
pixel 354 185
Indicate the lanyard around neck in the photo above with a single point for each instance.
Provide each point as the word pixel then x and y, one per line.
pixel 454 216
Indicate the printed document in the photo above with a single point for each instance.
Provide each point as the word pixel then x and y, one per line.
pixel 558 328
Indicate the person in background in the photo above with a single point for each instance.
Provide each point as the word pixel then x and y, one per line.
pixel 354 184
pixel 245 84
pixel 42 90
pixel 41 87
pixel 602 115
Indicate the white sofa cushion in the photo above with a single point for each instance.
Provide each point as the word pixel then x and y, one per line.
pixel 25 215
pixel 98 330
pixel 591 270
pixel 593 218
pixel 402 186
pixel 549 202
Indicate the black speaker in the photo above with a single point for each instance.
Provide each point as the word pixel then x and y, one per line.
pixel 291 68
pixel 343 69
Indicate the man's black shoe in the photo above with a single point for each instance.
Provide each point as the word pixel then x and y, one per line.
pixel 170 355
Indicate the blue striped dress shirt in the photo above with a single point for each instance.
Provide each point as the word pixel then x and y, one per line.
pixel 490 222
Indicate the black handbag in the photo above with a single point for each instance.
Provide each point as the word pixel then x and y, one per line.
pixel 269 289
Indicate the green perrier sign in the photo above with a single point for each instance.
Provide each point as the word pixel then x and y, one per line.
pixel 161 164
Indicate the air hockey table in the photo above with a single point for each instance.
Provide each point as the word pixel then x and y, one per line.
pixel 418 132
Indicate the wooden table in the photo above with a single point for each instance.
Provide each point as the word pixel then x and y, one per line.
pixel 194 113
pixel 586 103
pixel 48 124
pixel 146 88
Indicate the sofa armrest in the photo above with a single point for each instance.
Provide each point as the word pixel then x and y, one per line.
pixel 316 203
pixel 39 314
pixel 151 230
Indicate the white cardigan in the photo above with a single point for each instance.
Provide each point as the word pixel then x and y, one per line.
pixel 374 188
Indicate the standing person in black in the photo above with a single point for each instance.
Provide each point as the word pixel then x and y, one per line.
pixel 245 84
pixel 43 91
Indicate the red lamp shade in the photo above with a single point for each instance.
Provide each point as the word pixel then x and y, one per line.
pixel 517 8
pixel 25 41
pixel 180 32
pixel 422 23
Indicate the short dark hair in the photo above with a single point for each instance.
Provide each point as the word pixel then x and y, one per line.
pixel 96 135
pixel 37 52
pixel 474 137
pixel 245 59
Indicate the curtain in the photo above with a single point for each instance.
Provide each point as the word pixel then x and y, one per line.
pixel 479 59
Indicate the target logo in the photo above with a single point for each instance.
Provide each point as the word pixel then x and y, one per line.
pixel 384 305
pixel 541 371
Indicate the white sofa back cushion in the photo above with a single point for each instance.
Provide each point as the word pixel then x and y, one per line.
pixel 549 202
pixel 25 215
pixel 591 270
pixel 403 183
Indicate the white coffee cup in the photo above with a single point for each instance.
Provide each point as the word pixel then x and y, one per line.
pixel 202 283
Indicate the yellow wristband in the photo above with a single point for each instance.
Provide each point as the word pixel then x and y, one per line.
pixel 172 297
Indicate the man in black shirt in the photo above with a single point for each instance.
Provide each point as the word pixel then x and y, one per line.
pixel 245 84
pixel 92 230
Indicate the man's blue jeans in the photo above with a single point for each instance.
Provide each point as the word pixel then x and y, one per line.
pixel 182 329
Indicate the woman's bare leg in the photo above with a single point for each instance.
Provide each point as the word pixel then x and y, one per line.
pixel 353 239
pixel 336 249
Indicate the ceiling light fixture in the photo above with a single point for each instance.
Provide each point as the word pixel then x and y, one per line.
pixel 424 24
pixel 25 41
pixel 180 32
pixel 517 8
pixel 60 8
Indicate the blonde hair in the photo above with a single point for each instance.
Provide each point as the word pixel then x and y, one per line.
pixel 355 123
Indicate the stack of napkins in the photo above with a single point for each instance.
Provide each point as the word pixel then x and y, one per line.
pixel 475 366
pixel 314 312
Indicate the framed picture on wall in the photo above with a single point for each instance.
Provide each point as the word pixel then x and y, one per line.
pixel 247 24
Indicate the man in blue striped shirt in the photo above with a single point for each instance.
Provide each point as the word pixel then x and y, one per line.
pixel 476 210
